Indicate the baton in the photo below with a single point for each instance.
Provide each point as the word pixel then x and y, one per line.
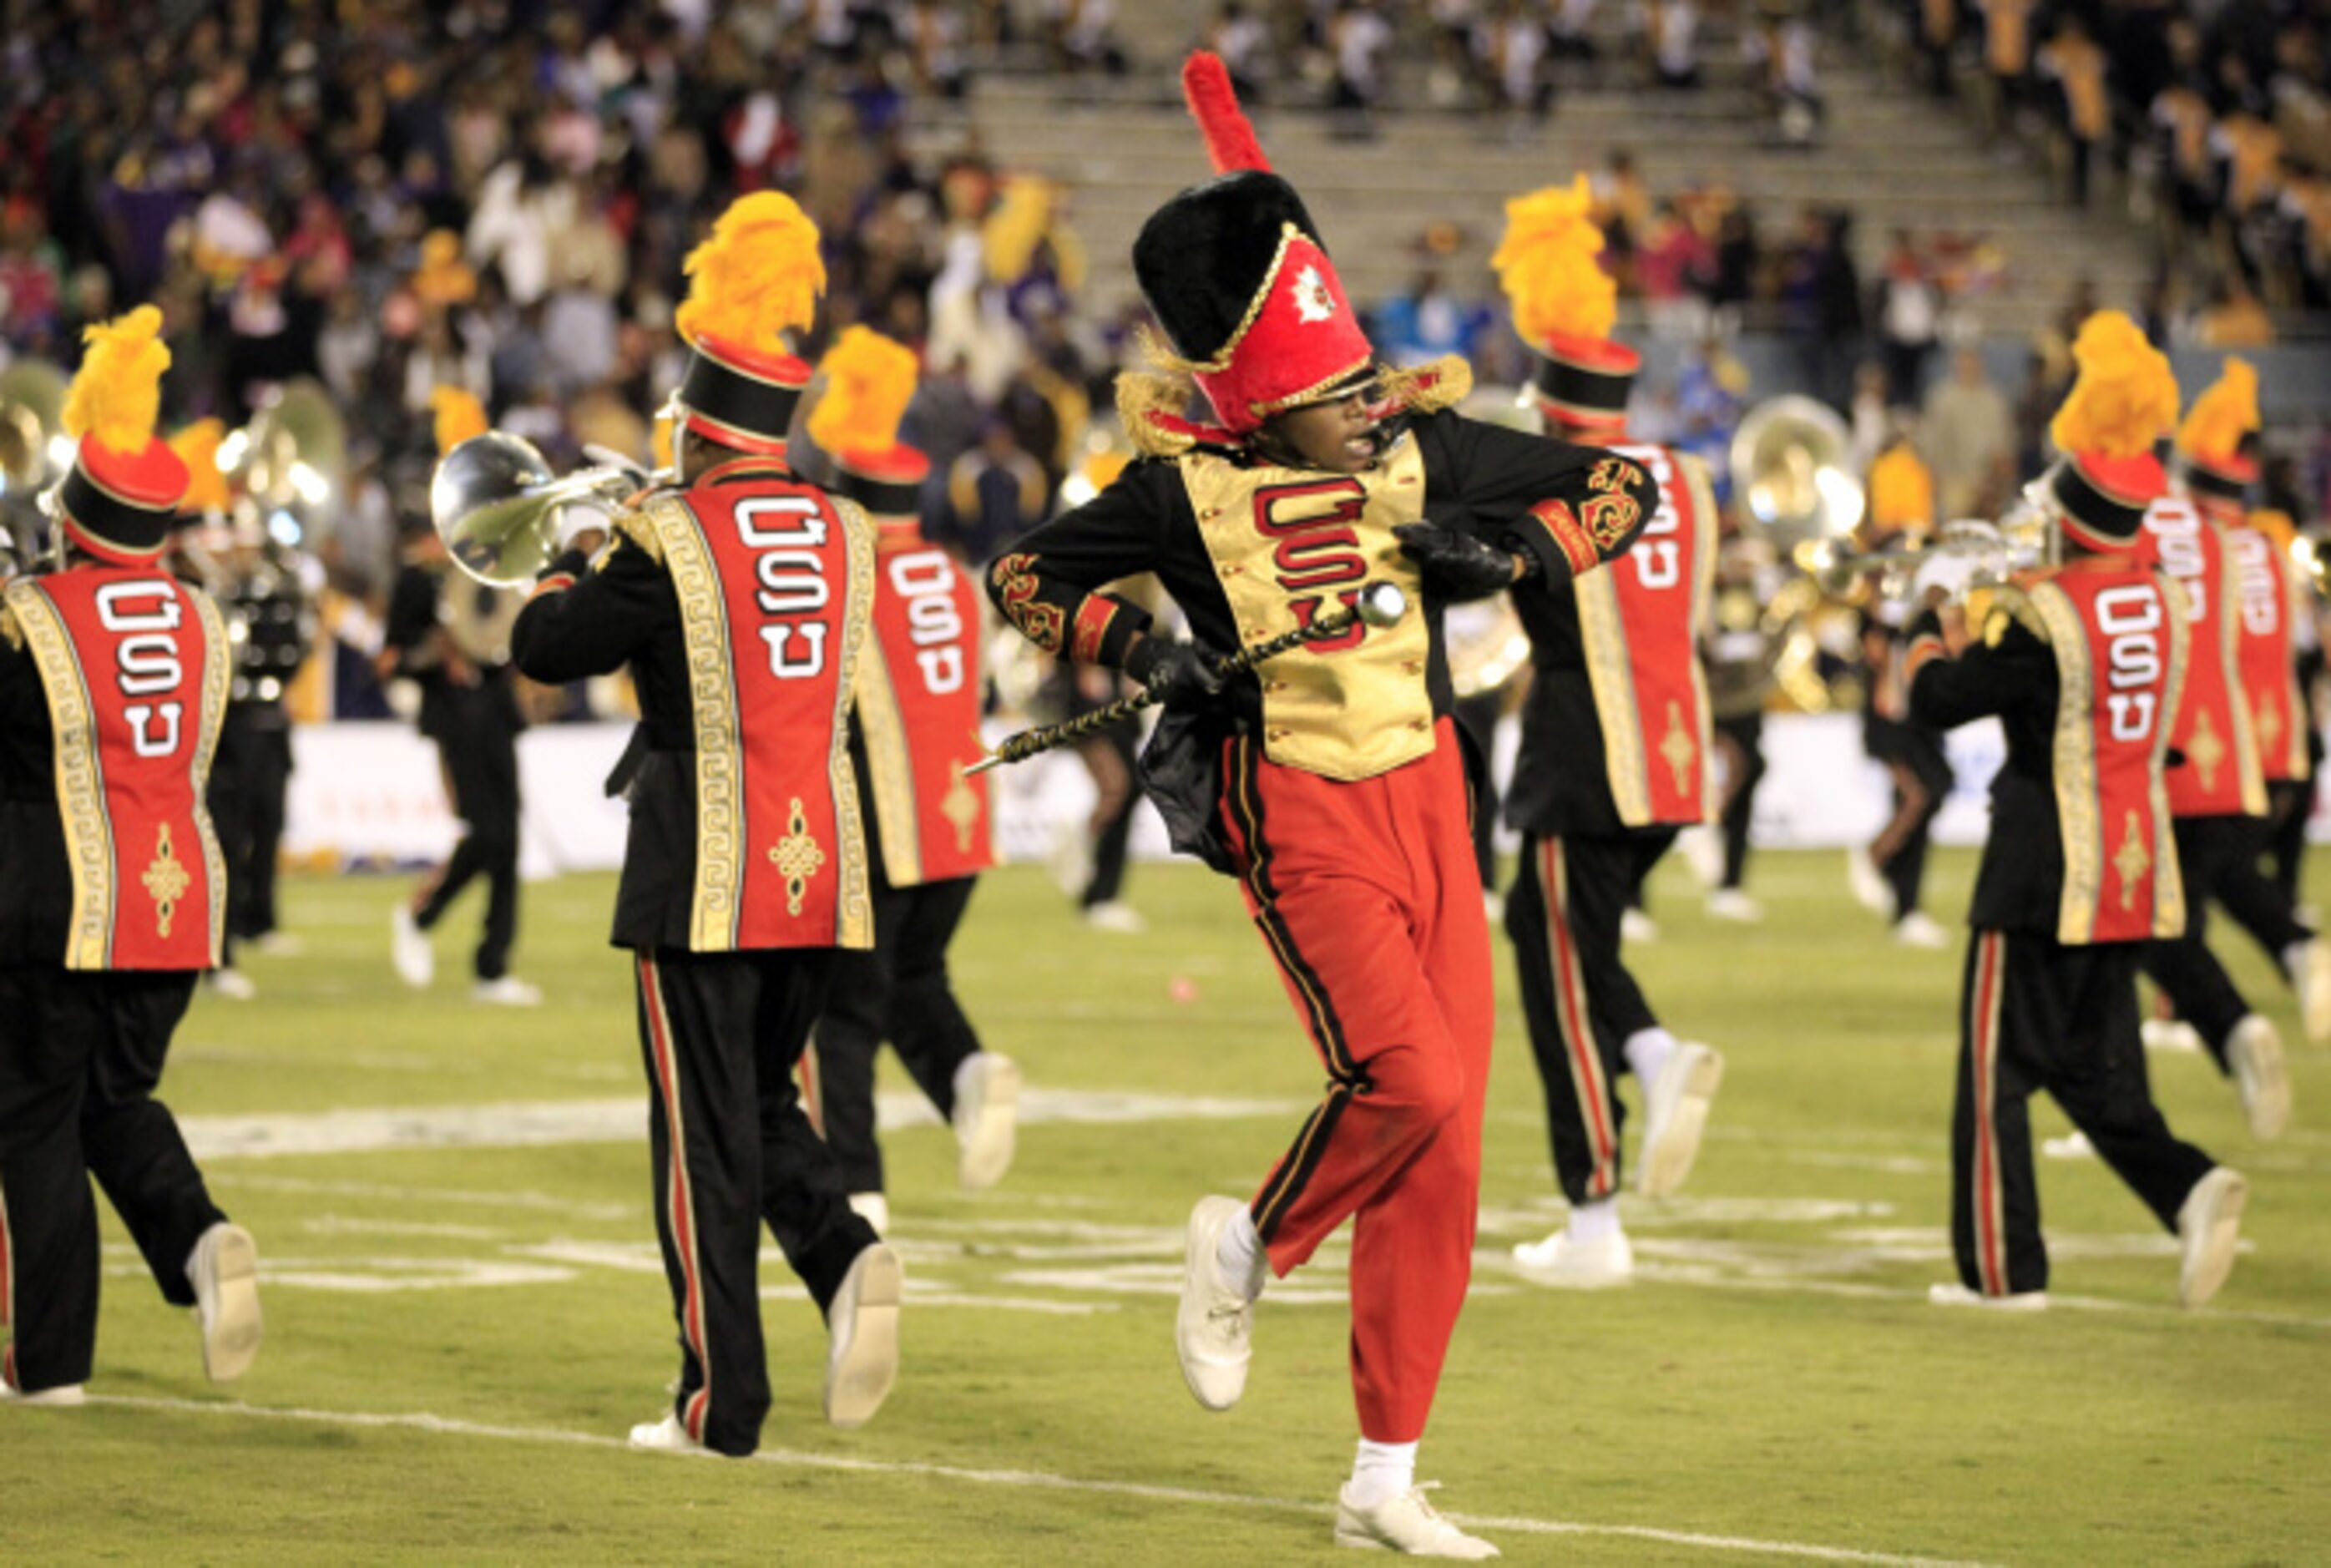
pixel 1377 604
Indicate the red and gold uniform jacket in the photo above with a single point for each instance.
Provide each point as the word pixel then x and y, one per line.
pixel 741 604
pixel 114 684
pixel 918 700
pixel 2273 599
pixel 1616 728
pixel 2214 770
pixel 2084 668
pixel 1250 550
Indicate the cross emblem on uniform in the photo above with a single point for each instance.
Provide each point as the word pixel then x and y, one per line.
pixel 797 856
pixel 1678 748
pixel 2130 862
pixel 960 806
pixel 2270 722
pixel 166 880
pixel 2206 750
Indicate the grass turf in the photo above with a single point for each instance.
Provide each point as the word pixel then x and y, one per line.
pixel 1775 1377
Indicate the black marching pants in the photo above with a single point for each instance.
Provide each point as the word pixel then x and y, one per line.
pixel 250 777
pixel 1922 774
pixel 1563 917
pixel 2034 1015
pixel 2261 898
pixel 480 758
pixel 80 1057
pixel 2209 851
pixel 732 1150
pixel 1742 741
pixel 898 991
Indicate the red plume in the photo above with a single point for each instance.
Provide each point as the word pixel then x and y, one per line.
pixel 1214 104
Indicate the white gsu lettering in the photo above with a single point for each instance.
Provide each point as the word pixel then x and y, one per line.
pixel 926 581
pixel 1656 553
pixel 2176 528
pixel 788 532
pixel 147 662
pixel 2261 615
pixel 2130 618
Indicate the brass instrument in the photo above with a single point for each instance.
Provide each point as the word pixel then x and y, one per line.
pixel 34 451
pixel 1791 473
pixel 292 457
pixel 496 504
pixel 1996 552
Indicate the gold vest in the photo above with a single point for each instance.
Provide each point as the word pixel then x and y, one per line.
pixel 1291 544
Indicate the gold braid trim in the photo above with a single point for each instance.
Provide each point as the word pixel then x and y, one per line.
pixel 2013 604
pixel 638 527
pixel 10 633
pixel 1445 383
pixel 1142 393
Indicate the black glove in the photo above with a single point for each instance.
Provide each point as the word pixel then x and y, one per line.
pixel 1181 675
pixel 1456 567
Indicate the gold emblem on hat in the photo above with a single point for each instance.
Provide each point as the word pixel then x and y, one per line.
pixel 1312 300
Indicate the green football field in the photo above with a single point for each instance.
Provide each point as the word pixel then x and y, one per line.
pixel 465 1312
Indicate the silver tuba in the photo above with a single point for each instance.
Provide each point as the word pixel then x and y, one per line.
pixel 1791 468
pixel 495 503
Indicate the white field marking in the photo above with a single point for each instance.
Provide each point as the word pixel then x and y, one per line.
pixel 1041 1481
pixel 572 1208
pixel 356 1225
pixel 534 1124
pixel 922 1289
pixel 380 1275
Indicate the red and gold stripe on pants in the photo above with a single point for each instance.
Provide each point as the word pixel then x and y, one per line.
pixel 1570 1006
pixel 1982 1035
pixel 678 1197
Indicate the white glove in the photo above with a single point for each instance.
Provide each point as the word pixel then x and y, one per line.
pixel 576 518
pixel 1944 570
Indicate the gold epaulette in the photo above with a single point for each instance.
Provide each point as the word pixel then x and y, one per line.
pixel 1142 393
pixel 2010 606
pixel 636 523
pixel 1445 383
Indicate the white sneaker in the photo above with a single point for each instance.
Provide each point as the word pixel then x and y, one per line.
pixel 231 984
pixel 1957 1295
pixel 1214 1330
pixel 278 945
pixel 2209 1230
pixel 1675 1115
pixel 509 990
pixel 1915 930
pixel 667 1435
pixel 2309 965
pixel 1570 1264
pixel 987 1118
pixel 2254 1052
pixel 2073 1145
pixel 225 1272
pixel 64 1396
pixel 1732 904
pixel 409 949
pixel 1639 928
pixel 1405 1522
pixel 1703 851
pixel 861 1358
pixel 1121 919
pixel 1071 859
pixel 1870 888
pixel 874 1209
pixel 2169 1034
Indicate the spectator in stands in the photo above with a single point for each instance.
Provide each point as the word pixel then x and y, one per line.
pixel 1968 434
pixel 1671 34
pixel 2006 59
pixel 996 493
pixel 1675 268
pixel 1512 48
pixel 1359 39
pixel 1084 36
pixel 1243 42
pixel 2083 116
pixel 1909 318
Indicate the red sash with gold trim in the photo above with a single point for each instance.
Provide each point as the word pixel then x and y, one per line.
pixel 775 580
pixel 2220 776
pixel 2269 592
pixel 1640 619
pixel 2118 633
pixel 918 700
pixel 134 666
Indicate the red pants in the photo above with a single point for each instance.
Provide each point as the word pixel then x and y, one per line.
pixel 1370 899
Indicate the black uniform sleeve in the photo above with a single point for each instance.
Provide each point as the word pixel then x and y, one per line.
pixel 1571 507
pixel 2017 670
pixel 1046 584
pixel 586 620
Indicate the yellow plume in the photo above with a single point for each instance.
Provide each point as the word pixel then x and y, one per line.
pixel 659 441
pixel 459 416
pixel 758 275
pixel 1009 238
pixel 869 381
pixel 1546 265
pixel 116 394
pixel 2222 415
pixel 2126 397
pixel 197 447
pixel 1901 490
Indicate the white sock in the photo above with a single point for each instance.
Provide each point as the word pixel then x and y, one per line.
pixel 1596 1221
pixel 1380 1472
pixel 1647 1051
pixel 1242 1256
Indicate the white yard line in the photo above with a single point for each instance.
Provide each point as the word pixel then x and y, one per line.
pixel 1034 1479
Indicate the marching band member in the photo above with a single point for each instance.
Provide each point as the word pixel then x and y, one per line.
pixel 1333 783
pixel 1739 653
pixel 917 729
pixel 469 707
pixel 1615 758
pixel 1888 875
pixel 2083 670
pixel 2216 791
pixel 739 596
pixel 113 894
